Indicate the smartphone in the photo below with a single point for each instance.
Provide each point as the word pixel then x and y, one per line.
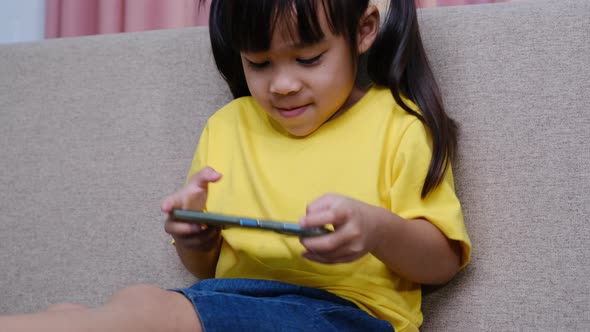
pixel 220 220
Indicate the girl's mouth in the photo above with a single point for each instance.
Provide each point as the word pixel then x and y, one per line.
pixel 292 112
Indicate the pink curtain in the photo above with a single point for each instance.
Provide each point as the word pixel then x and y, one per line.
pixel 69 18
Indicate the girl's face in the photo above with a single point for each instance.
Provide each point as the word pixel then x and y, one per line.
pixel 302 86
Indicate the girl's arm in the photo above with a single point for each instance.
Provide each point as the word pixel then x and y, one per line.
pixel 414 249
pixel 200 264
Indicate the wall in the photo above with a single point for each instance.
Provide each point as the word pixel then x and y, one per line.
pixel 22 20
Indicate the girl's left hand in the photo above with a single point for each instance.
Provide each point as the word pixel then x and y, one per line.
pixel 355 233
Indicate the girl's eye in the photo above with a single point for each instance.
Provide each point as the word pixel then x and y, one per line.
pixel 310 61
pixel 258 65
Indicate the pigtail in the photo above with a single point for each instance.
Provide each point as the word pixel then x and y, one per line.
pixel 398 60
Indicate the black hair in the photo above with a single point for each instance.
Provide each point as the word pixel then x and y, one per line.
pixel 396 60
pixel 248 25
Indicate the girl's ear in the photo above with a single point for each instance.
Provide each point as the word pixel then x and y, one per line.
pixel 368 29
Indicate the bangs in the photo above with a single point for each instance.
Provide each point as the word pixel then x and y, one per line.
pixel 248 25
pixel 251 23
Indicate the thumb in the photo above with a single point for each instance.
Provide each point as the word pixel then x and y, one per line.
pixel 170 202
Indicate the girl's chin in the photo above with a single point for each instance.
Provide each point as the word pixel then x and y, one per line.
pixel 300 131
pixel 296 125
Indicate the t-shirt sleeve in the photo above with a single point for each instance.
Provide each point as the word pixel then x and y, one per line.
pixel 441 206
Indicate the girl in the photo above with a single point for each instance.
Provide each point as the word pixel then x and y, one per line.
pixel 308 138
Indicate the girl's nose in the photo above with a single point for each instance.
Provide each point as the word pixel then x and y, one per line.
pixel 284 83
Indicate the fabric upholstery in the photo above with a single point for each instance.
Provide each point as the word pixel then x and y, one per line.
pixel 517 79
pixel 94 131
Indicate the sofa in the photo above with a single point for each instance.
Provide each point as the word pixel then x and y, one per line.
pixel 95 131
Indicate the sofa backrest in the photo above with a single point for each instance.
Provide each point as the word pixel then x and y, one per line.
pixel 517 78
pixel 95 131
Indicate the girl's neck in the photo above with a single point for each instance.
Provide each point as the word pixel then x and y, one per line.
pixel 356 94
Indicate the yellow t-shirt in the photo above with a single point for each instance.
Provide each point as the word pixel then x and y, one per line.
pixel 375 152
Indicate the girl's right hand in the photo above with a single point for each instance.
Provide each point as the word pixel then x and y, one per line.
pixel 195 237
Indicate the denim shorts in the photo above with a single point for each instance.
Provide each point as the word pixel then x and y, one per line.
pixel 235 305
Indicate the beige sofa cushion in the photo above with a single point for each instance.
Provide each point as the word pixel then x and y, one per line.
pixel 95 131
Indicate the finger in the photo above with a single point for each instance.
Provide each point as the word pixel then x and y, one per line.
pixel 348 236
pixel 318 219
pixel 322 203
pixel 339 251
pixel 202 178
pixel 340 257
pixel 179 228
pixel 331 260
pixel 204 241
pixel 180 199
pixel 189 196
pixel 333 216
pixel 325 244
pixel 198 236
pixel 186 232
pixel 171 202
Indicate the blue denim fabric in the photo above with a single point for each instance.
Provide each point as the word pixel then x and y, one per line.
pixel 234 305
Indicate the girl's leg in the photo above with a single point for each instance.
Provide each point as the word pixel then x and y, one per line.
pixel 137 308
pixel 65 306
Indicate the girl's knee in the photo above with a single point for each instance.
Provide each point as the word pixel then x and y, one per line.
pixel 154 306
pixel 142 294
